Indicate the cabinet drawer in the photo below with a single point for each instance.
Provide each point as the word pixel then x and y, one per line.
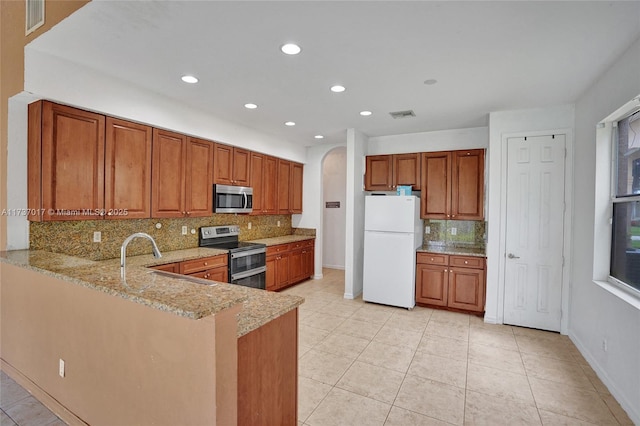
pixel 191 266
pixel 432 258
pixel 219 274
pixel 168 267
pixel 280 248
pixel 301 244
pixel 467 262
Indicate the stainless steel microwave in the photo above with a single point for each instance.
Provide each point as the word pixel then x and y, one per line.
pixel 232 199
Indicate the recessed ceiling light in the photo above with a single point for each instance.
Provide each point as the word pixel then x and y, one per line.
pixel 430 82
pixel 289 123
pixel 290 49
pixel 189 79
pixel 250 106
pixel 365 113
pixel 338 89
pixel 319 137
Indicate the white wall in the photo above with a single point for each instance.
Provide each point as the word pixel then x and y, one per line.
pixel 354 251
pixel 60 80
pixel 595 313
pixel 334 188
pixel 443 140
pixel 503 124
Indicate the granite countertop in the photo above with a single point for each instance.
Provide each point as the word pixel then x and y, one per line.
pixel 180 295
pixel 273 241
pixel 446 249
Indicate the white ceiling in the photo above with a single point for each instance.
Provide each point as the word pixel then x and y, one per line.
pixel 486 56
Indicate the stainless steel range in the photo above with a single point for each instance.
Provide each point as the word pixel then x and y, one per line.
pixel 247 261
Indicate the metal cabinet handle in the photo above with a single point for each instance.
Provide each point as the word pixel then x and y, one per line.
pixel 513 256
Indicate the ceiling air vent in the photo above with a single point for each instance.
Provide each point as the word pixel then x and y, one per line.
pixel 35 15
pixel 402 114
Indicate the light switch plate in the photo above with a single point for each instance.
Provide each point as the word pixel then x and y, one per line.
pixel 97 237
pixel 454 231
pixel 427 229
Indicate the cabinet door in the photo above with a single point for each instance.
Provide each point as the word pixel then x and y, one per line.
pixel 467 185
pixel 223 158
pixel 257 182
pixel 296 188
pixel 270 185
pixel 284 187
pixel 435 198
pixel 282 270
pixel 271 273
pixel 72 163
pixel 296 265
pixel 466 289
pixel 431 284
pixel 406 170
pixel 378 173
pixel 308 260
pixel 199 178
pixel 168 174
pixel 241 172
pixel 127 184
pixel 219 274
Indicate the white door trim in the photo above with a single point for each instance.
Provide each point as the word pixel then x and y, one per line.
pixel 568 220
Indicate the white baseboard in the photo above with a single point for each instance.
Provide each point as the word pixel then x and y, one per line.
pixel 632 410
pixel 341 267
pixel 318 276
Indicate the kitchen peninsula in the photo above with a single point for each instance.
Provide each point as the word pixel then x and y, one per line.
pixel 147 347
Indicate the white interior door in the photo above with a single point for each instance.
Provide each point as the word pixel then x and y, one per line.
pixel 534 231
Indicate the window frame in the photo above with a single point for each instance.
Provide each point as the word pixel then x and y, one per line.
pixel 606 197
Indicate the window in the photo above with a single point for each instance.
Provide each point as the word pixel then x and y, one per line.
pixel 625 233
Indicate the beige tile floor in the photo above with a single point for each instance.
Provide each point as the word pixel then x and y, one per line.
pixel 367 364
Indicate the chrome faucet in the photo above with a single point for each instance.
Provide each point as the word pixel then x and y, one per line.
pixel 123 248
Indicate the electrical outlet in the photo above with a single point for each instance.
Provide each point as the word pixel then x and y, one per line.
pixel 97 237
pixel 454 231
pixel 278 224
pixel 249 225
pixel 184 230
pixel 61 368
pixel 427 229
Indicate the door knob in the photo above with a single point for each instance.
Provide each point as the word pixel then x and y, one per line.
pixel 513 256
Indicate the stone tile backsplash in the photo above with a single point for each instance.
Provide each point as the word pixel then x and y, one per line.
pixel 75 238
pixel 468 233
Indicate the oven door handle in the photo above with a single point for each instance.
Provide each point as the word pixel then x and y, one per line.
pixel 248 273
pixel 248 252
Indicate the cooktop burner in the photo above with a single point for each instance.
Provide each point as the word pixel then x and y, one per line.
pixel 225 238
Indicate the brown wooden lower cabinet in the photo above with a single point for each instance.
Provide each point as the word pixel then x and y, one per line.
pixel 451 281
pixel 212 268
pixel 268 373
pixel 289 264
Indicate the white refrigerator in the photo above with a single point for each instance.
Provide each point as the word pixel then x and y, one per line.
pixel 392 233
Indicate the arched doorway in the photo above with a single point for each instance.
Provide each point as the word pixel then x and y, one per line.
pixel 334 178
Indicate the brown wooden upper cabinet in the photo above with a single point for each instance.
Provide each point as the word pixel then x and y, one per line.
pixel 386 172
pixel 453 185
pixel 295 204
pixel 182 175
pixel 83 165
pixel 264 181
pixel 232 165
pixel 289 187
pixel 127 184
